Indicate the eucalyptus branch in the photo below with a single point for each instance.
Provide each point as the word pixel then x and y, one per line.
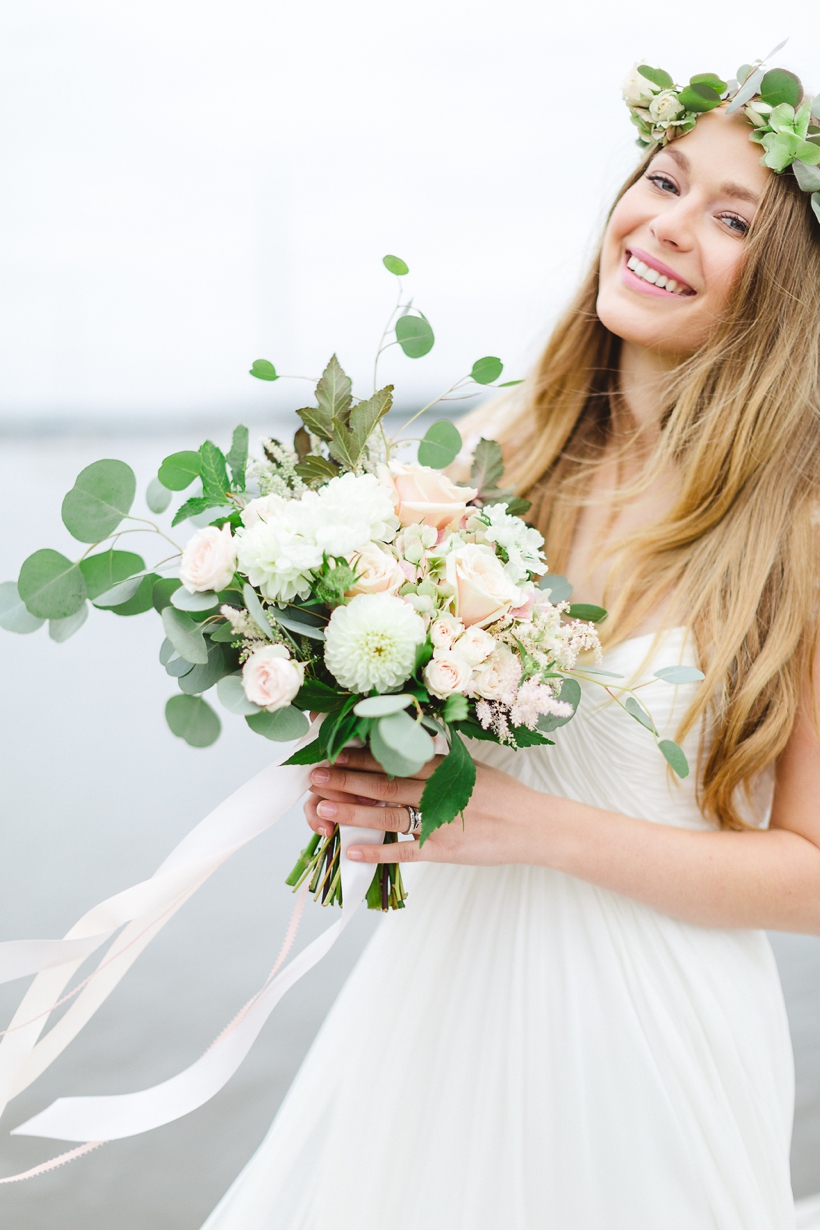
pixel 385 331
pixel 154 527
pixel 429 406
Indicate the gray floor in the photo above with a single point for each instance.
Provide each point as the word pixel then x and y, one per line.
pixel 95 791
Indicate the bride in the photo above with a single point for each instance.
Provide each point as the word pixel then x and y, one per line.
pixel 577 1024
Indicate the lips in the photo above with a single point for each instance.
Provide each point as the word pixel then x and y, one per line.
pixel 650 276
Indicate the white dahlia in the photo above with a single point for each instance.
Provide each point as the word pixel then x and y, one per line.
pixel 347 513
pixel 371 643
pixel 276 558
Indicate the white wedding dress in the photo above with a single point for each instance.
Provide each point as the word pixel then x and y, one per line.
pixel 520 1050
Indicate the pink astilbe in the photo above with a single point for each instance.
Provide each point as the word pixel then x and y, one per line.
pixel 535 699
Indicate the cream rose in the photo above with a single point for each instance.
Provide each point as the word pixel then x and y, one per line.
pixel 271 678
pixel 666 106
pixel 498 677
pixel 636 90
pixel 483 591
pixel 444 630
pixel 209 559
pixel 446 673
pixel 262 508
pixel 378 571
pixel 474 646
pixel 425 495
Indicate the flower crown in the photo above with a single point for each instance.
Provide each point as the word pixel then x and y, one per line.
pixel 784 122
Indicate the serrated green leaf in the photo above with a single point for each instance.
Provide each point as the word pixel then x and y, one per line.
pixel 214 472
pixel 51 586
pixel 179 470
pixel 675 757
pixel 440 446
pixel 317 421
pixel 238 456
pixel 334 391
pixel 366 415
pixel 263 370
pixel 414 335
pixel 516 504
pixel 61 629
pixel 780 86
pixel 487 469
pixel 191 718
pixel 311 753
pixel 657 76
pixel 101 496
pixel 282 726
pixel 587 611
pixel 456 708
pixel 196 505
pixel 637 711
pixel 106 569
pixel 447 791
pixel 559 587
pixel 185 635
pixel 679 674
pixel 319 696
pixel 232 695
pixel 157 496
pixel 316 468
pixel 13 614
pixel 394 264
pixel 486 370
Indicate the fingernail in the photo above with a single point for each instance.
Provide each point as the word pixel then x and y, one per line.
pixel 320 775
pixel 355 854
pixel 341 758
pixel 326 810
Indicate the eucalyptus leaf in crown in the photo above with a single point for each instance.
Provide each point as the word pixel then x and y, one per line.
pixel 336 575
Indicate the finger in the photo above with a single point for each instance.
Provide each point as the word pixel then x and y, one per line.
pixel 360 758
pixel 395 852
pixel 386 819
pixel 397 790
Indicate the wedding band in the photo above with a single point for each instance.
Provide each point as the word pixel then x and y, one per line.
pixel 414 820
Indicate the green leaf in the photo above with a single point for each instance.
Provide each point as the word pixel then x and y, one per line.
pixel 204 675
pixel 334 392
pixel 299 626
pixel 316 468
pixel 559 587
pixel 712 79
pixel 637 711
pixel 140 601
pixel 699 98
pixel 743 72
pixel 13 614
pixel 223 633
pixel 106 569
pixel 571 693
pixel 486 370
pixel 317 422
pixel 508 384
pixel 161 593
pixel 311 753
pixel 319 696
pixel 256 611
pixel 214 472
pixel 393 763
pixel 232 695
pixel 780 86
pixel 183 600
pixel 51 586
pixel 524 737
pixel 179 470
pixel 679 674
pixel 101 496
pixel 191 718
pixel 119 593
pixel 807 177
pixel 339 728
pixel 440 446
pixel 61 629
pixel 382 706
pixel 196 505
pixel 815 204
pixel 263 370
pixel 814 109
pixel 406 736
pixel 185 635
pixel 282 726
pixel 301 443
pixel 447 791
pixel 238 456
pixel 456 708
pixel 157 496
pixel 657 76
pixel 487 469
pixel 394 264
pixel 587 611
pixel 365 416
pixel 414 335
pixel 176 667
pixel 675 757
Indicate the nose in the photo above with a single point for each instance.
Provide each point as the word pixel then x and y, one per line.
pixel 673 227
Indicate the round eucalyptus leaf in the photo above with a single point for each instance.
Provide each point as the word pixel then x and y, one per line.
pixel 204 675
pixel 119 593
pixel 415 336
pixel 185 635
pixel 807 177
pixel 106 569
pixel 191 718
pixel 557 587
pixel 140 601
pixel 636 710
pixel 166 652
pixel 486 370
pixel 440 446
pixel 390 760
pixel 101 496
pixel 179 470
pixel 394 264
pixel 382 706
pixel 13 614
pixel 406 737
pixel 263 370
pixel 183 600
pixel 161 593
pixel 571 694
pixel 679 674
pixel 51 586
pixel 675 757
pixel 157 496
pixel 712 79
pixel 282 726
pixel 700 97
pixel 232 695
pixel 780 86
pixel 61 629
pixel 177 667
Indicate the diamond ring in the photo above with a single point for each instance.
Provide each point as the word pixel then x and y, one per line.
pixel 414 820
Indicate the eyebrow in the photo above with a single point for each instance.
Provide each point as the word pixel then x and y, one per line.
pixel 729 188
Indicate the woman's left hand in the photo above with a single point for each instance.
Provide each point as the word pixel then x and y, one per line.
pixel 497 821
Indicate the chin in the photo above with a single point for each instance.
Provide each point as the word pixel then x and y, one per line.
pixel 634 323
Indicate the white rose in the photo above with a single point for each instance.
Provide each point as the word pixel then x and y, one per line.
pixel 636 90
pixel 377 571
pixel 483 591
pixel 498 677
pixel 446 673
pixel 209 559
pixel 422 494
pixel 264 507
pixel 271 678
pixel 665 106
pixel 444 630
pixel 474 646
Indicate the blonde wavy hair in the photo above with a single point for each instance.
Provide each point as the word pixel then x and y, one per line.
pixel 736 557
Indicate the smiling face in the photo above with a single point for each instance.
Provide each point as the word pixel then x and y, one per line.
pixel 676 238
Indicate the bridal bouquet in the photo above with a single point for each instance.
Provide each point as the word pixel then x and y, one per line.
pixel 341 576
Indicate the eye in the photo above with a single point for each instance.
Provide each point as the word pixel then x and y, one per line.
pixel 663 182
pixel 737 225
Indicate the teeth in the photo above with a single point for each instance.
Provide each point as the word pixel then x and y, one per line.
pixel 648 274
pixel 671 284
pixel 632 263
pixel 660 280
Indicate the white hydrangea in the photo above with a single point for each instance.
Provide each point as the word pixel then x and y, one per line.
pixel 371 642
pixel 519 541
pixel 347 513
pixel 276 557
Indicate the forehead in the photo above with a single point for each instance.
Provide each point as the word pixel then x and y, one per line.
pixel 717 151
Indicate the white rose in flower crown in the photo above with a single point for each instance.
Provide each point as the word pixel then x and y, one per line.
pixel 371 643
pixel 271 678
pixel 636 90
pixel 446 673
pixel 665 106
pixel 474 646
pixel 425 495
pixel 377 571
pixel 498 677
pixel 483 591
pixel 209 559
pixel 445 630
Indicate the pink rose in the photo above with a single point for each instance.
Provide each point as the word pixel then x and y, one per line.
pixel 446 673
pixel 474 646
pixel 425 495
pixel 483 591
pixel 271 678
pixel 497 678
pixel 378 571
pixel 444 630
pixel 209 560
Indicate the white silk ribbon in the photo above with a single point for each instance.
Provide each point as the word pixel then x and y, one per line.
pixel 145 908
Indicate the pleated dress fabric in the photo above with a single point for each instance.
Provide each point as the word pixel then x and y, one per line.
pixel 521 1050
